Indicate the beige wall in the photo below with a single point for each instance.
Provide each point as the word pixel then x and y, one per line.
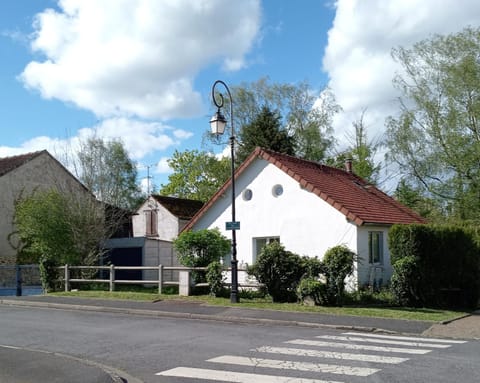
pixel 42 172
pixel 167 223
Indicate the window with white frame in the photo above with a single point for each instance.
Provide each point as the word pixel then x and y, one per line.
pixel 375 247
pixel 260 243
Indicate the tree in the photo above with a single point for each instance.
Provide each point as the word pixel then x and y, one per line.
pixel 106 169
pixel 264 131
pixel 362 152
pixel 436 137
pixel 55 228
pixel 306 114
pixel 196 175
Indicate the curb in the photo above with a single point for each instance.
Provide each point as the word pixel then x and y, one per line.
pixel 207 317
pixel 448 321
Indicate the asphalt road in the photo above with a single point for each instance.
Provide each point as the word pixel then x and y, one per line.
pixel 160 350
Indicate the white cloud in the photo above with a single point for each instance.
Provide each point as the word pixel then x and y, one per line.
pixel 357 58
pixel 137 57
pixel 163 167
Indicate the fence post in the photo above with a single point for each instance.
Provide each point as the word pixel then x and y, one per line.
pixel 18 279
pixel 160 278
pixel 112 278
pixel 184 282
pixel 67 278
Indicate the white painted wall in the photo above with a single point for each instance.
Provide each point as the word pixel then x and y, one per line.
pixel 167 223
pixel 305 223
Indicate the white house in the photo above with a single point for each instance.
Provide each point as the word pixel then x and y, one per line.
pixel 309 208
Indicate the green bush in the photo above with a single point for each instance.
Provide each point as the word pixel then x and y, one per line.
pixel 215 278
pixel 338 264
pixel 312 266
pixel 310 287
pixel 200 248
pixel 279 270
pixel 446 258
pixel 406 282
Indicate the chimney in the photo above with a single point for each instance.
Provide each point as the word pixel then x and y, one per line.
pixel 348 165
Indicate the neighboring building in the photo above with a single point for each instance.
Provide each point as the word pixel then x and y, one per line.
pixel 163 217
pixel 20 176
pixel 309 208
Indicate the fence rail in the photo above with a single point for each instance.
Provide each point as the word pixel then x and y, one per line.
pixel 184 281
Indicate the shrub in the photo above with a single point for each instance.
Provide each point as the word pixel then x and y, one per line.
pixel 406 282
pixel 279 270
pixel 200 248
pixel 312 266
pixel 312 288
pixel 337 265
pixel 215 278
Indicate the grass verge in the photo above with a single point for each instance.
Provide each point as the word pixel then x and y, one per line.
pixel 421 314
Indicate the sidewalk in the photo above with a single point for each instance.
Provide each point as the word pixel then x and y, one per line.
pixel 464 328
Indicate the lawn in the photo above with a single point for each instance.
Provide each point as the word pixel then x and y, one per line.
pixel 421 314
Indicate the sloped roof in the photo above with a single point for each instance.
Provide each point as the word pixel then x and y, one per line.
pixel 361 202
pixel 179 207
pixel 7 164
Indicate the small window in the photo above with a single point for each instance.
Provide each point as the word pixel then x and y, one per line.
pixel 277 190
pixel 260 243
pixel 247 194
pixel 151 221
pixel 375 247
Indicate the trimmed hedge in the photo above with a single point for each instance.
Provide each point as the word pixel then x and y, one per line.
pixel 435 266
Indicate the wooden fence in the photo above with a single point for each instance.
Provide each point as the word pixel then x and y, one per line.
pixel 184 282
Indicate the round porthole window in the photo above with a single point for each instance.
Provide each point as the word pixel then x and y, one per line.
pixel 277 190
pixel 247 194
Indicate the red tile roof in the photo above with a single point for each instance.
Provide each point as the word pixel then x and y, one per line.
pixel 7 164
pixel 361 202
pixel 179 207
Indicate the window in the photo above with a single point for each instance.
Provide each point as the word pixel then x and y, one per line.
pixel 151 222
pixel 259 243
pixel 375 247
pixel 247 194
pixel 277 190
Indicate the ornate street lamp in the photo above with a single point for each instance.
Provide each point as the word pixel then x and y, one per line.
pixel 218 123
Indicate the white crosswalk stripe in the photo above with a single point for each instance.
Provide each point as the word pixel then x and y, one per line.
pixel 291 365
pixel 383 341
pixel 348 346
pixel 238 377
pixel 336 361
pixel 332 355
pixel 396 337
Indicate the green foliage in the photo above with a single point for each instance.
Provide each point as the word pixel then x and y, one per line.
pixel 215 278
pixel 416 199
pixel 196 175
pixel 312 288
pixel 264 131
pixel 435 265
pixel 280 270
pixel 338 263
pixel 312 267
pixel 55 229
pixel 108 172
pixel 200 248
pixel 436 138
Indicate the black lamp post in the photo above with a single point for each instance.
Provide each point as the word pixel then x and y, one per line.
pixel 217 124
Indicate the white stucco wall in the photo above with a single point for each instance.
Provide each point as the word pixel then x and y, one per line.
pixel 42 172
pixel 167 223
pixel 305 223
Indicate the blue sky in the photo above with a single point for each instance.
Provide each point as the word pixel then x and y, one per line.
pixel 142 70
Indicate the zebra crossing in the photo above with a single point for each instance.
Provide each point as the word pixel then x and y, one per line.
pixel 331 355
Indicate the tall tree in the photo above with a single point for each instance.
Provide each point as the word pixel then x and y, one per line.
pixel 196 175
pixel 436 137
pixel 306 114
pixel 361 151
pixel 265 131
pixel 106 169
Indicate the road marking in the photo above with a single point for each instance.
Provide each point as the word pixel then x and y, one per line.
pixel 331 355
pixel 237 377
pixel 347 346
pixel 430 340
pixel 382 341
pixel 291 365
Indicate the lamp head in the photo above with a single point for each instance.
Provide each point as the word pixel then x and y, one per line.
pixel 218 123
